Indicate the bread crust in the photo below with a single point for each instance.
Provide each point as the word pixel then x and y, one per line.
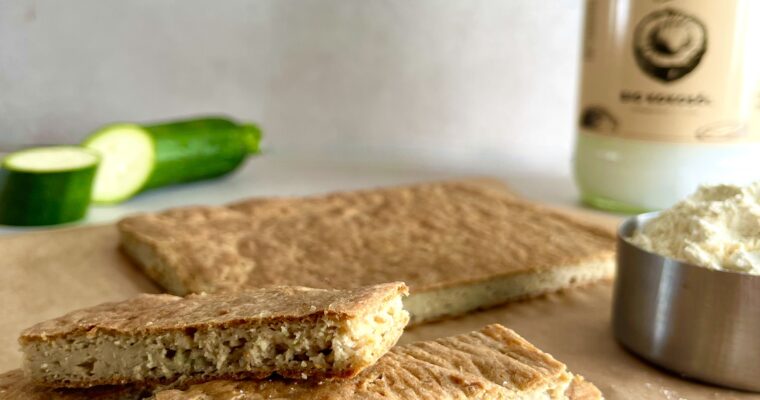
pixel 581 389
pixel 156 313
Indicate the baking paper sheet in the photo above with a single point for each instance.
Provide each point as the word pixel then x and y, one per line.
pixel 46 274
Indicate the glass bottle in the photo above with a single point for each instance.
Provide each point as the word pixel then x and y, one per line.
pixel 669 100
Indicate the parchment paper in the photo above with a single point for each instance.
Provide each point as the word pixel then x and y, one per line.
pixel 46 274
pixel 49 273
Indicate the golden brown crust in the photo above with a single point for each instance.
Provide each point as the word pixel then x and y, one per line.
pixel 492 363
pixel 494 353
pixel 149 313
pixel 581 389
pixel 430 236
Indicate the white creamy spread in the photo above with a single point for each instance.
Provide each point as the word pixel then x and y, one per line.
pixel 718 227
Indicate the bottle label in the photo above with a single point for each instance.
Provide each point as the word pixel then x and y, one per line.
pixel 671 70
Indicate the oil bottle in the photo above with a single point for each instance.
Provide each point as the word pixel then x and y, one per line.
pixel 668 100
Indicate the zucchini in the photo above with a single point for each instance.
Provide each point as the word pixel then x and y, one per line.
pixel 46 185
pixel 141 157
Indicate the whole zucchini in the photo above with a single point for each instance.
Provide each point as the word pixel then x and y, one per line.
pixel 140 157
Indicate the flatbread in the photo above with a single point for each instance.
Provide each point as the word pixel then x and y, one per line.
pixel 459 246
pixel 294 332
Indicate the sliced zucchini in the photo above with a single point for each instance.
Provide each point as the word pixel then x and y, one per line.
pixel 46 185
pixel 127 158
pixel 141 157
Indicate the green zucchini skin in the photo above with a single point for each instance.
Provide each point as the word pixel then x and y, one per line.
pixel 199 149
pixel 44 198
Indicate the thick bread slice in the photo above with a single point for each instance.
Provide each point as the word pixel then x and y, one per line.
pixel 493 363
pixel 15 386
pixel 292 331
pixel 460 246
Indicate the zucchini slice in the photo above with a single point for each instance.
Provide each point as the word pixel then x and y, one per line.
pixel 46 185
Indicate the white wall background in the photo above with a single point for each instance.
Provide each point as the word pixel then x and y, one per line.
pixel 470 78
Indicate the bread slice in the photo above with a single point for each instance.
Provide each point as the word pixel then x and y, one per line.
pixel 460 246
pixel 492 363
pixel 291 331
pixel 15 386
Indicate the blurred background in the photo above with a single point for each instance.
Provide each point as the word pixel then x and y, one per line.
pixel 457 81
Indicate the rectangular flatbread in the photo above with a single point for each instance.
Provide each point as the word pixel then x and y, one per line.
pixel 294 332
pixel 492 363
pixel 460 246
